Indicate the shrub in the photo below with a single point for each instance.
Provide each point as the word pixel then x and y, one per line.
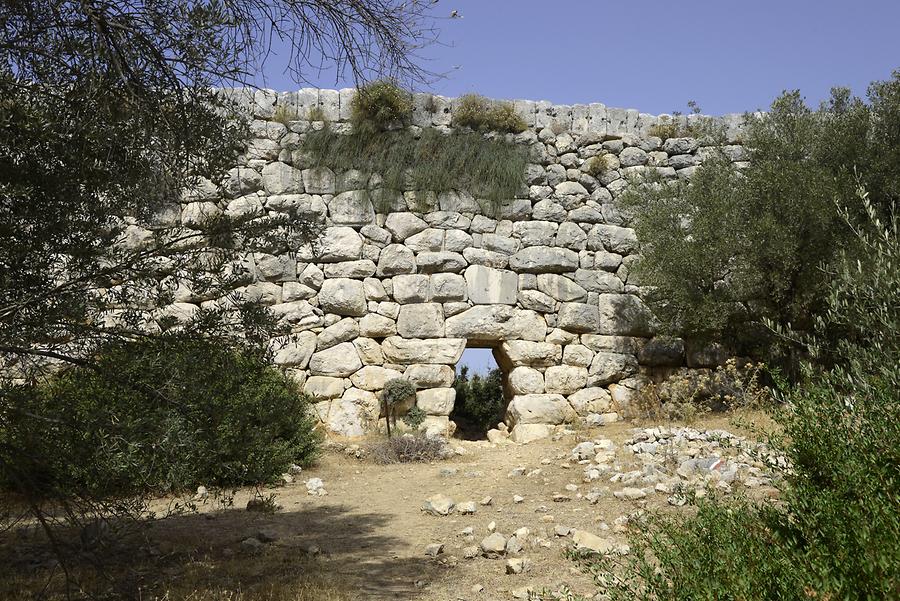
pixel 408 449
pixel 835 533
pixel 479 113
pixel 154 416
pixel 396 393
pixel 285 114
pixel 414 417
pixel 381 104
pixel 599 164
pixel 480 403
pixel 492 170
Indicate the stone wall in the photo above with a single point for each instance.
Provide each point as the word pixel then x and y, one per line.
pixel 546 281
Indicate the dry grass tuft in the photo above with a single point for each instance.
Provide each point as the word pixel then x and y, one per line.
pixel 408 449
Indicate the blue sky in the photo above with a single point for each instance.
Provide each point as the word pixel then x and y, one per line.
pixel 652 55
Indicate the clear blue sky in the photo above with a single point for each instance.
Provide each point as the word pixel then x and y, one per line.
pixel 653 55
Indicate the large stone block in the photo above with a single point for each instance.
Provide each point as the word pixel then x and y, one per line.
pixel 525 433
pixel 343 331
pixel 373 377
pixel 597 280
pixel 560 287
pixel 339 361
pixel 405 351
pixel 539 409
pixel 607 368
pixel 280 178
pixel 565 379
pixel 421 320
pixel 436 401
pixel 351 208
pixel 624 315
pixel 423 375
pixel 343 296
pixel 295 351
pixel 525 380
pixel 339 244
pixel 373 325
pixel 396 259
pixel 496 322
pixel 403 225
pixel 578 317
pixel 324 387
pixel 487 286
pixel 413 288
pixel 544 259
pixel 590 400
pixel 448 287
pixel 534 354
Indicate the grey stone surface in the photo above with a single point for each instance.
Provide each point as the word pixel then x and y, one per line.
pixel 486 285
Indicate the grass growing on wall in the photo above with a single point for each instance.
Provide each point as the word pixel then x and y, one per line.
pixel 492 170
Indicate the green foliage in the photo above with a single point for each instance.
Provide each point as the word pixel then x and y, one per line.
pixel 483 115
pixel 835 533
pixel 381 104
pixel 731 248
pixel 490 169
pixel 397 391
pixel 160 415
pixel 599 164
pixel 414 417
pixel 480 403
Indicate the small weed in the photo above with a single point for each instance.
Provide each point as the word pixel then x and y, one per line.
pixel 480 114
pixel 599 164
pixel 284 114
pixel 316 113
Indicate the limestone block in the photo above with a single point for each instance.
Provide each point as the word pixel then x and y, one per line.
pixel 579 317
pixel 351 208
pixel 369 351
pixel 525 380
pixel 300 314
pixel 537 301
pixel 457 241
pixel 324 387
pixel 360 269
pixel 620 240
pixel 304 206
pixel 448 287
pixel 197 215
pixel 343 296
pixel 491 286
pixel 411 288
pixel 539 409
pixel 596 280
pixel 448 220
pixel 339 243
pixel 535 233
pixel 430 239
pixel 453 201
pixel 674 146
pixel 613 344
pixel 344 417
pixel 264 293
pixel 625 315
pixel 500 244
pixel 339 361
pixel 560 287
pixel 544 259
pixel 487 258
pixel 240 181
pixel 483 225
pixel 405 351
pixel 374 289
pixel 515 210
pixel 571 236
pixel 436 401
pixel 557 336
pixel 525 433
pixel 433 262
pixel 396 259
pixel 568 188
pixel 533 354
pixel 403 225
pixel 590 400
pixel 421 320
pixel 373 377
pixel 423 375
pixel 345 330
pixel 565 379
pixel 550 210
pixel 295 351
pixel 373 325
pixel 437 425
pixel 244 207
pixel 496 322
pixel 319 180
pixel 610 367
pixel 367 403
pixel 662 351
pixel 280 178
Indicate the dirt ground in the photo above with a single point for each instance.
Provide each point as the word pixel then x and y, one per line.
pixel 366 538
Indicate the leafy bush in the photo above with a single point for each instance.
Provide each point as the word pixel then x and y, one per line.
pixel 408 449
pixel 414 417
pixel 731 248
pixel 480 403
pixel 483 115
pixel 381 104
pixel 154 416
pixel 396 393
pixel 489 169
pixel 835 533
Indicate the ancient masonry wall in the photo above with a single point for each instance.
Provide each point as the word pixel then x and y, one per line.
pixel 546 282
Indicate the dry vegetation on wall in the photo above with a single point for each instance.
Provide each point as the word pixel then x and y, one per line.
pixel 490 167
pixel 481 114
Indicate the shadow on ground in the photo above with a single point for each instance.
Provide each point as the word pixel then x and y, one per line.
pixel 321 552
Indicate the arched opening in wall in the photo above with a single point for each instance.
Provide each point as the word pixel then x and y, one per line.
pixel 480 392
